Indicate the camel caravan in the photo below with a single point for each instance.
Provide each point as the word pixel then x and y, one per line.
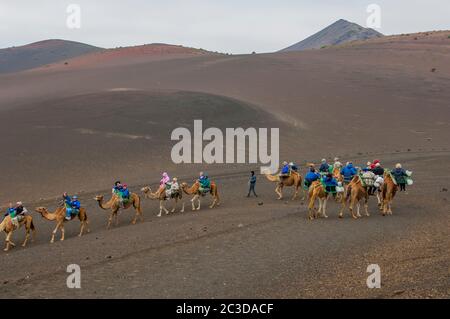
pixel 347 185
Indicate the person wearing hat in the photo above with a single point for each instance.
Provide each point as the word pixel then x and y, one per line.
pixel 378 170
pixel 20 209
pixel 349 171
pixel 400 176
pixel 72 204
pixel 324 166
pixel 374 164
pixel 311 176
pixel 293 166
pixel 125 192
pixel 172 188
pixel 337 163
pixel 286 169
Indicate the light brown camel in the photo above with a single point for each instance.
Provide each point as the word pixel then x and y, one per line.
pixel 59 217
pixel 115 204
pixel 8 227
pixel 294 179
pixel 354 194
pixel 195 191
pixel 340 178
pixel 162 197
pixel 388 191
pixel 317 191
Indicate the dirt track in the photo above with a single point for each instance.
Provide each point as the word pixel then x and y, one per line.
pixel 245 250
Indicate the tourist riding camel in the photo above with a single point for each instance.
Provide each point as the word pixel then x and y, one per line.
pixel 321 190
pixel 349 171
pixel 292 179
pixel 14 220
pixel 354 194
pixel 120 200
pixel 199 189
pixel 172 191
pixel 388 191
pixel 59 216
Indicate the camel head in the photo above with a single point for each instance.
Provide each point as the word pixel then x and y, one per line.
pixel 184 185
pixel 41 210
pixel 98 198
pixel 146 190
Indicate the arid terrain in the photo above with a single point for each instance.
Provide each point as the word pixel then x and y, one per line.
pixel 81 125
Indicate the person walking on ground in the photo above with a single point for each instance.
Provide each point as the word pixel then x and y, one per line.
pixel 252 184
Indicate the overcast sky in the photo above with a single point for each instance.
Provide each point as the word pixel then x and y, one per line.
pixel 234 26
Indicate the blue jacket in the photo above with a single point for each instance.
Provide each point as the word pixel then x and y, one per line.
pixel 11 211
pixel 204 182
pixel 399 175
pixel 330 182
pixel 349 172
pixel 253 179
pixel 324 168
pixel 312 177
pixel 72 203
pixel 125 193
pixel 76 204
pixel 285 169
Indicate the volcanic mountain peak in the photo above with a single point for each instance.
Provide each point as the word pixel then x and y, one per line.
pixel 41 53
pixel 342 31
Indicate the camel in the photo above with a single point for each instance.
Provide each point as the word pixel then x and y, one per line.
pixel 162 197
pixel 340 178
pixel 317 191
pixel 59 216
pixel 8 227
pixel 354 193
pixel 114 204
pixel 195 190
pixel 295 179
pixel 388 191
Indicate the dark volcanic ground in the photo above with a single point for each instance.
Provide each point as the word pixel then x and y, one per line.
pixel 246 250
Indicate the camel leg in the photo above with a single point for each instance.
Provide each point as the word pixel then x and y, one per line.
pixel 358 207
pixel 311 208
pixel 351 208
pixel 214 202
pixel 54 232
pixel 63 232
pixel 8 241
pixel 278 190
pixel 27 236
pixel 319 211
pixel 160 210
pixel 164 208
pixel 81 229
pixel 390 207
pixel 182 207
pixel 324 207
pixel 385 206
pixel 295 193
pixel 366 207
pixel 116 215
pixel 199 202
pixel 174 205
pixel 110 219
pixel 193 202
pixel 344 203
